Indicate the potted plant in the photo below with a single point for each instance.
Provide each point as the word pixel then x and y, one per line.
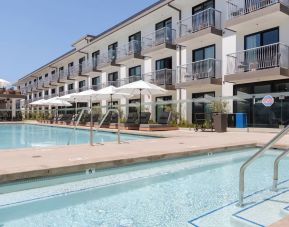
pixel 219 109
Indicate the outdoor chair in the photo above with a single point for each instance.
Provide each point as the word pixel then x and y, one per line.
pixel 162 124
pixel 132 122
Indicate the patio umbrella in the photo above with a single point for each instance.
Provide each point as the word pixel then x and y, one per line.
pixel 55 102
pixel 38 103
pixel 110 92
pixel 70 98
pixel 141 88
pixel 4 83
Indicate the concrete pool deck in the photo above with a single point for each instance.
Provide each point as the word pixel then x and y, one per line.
pixel 36 162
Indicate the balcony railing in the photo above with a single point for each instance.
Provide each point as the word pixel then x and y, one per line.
pixel 40 84
pixel 130 79
pixel 208 68
pixel 71 91
pixel 54 78
pixel 84 88
pixel 161 77
pixel 115 83
pixel 35 86
pixel 133 47
pixel 107 58
pixel 62 93
pixel 269 56
pixel 46 97
pixel 236 8
pixel 53 95
pixel 162 36
pixel 97 87
pixel 204 19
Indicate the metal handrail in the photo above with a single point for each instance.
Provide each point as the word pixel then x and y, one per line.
pixel 273 141
pixel 276 169
pixel 118 121
pixel 76 124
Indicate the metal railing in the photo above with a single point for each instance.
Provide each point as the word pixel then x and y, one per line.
pixel 161 77
pixel 132 47
pixel 162 36
pixel 54 78
pixel 130 79
pixel 118 122
pixel 106 58
pixel 71 91
pixel 62 93
pixel 243 168
pixel 204 19
pixel 76 124
pixel 269 56
pixel 84 88
pixel 115 83
pixel 208 68
pixel 97 87
pixel 236 8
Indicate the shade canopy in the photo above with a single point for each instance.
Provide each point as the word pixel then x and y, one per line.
pixel 145 88
pixel 109 92
pixel 56 102
pixel 38 103
pixel 85 96
pixel 68 97
pixel 4 83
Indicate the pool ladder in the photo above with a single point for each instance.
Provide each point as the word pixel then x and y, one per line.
pixel 243 168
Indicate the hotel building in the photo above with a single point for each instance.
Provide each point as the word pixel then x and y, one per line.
pixel 192 48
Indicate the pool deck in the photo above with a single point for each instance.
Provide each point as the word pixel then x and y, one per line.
pixel 39 162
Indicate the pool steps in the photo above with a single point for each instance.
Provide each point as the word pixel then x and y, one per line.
pixel 262 209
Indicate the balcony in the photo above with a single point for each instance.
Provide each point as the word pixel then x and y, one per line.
pixel 158 40
pixel 115 83
pixel 165 78
pixel 97 87
pixel 107 59
pixel 63 76
pixel 40 85
pixel 54 80
pixel 35 87
pixel 131 50
pixel 71 91
pixel 62 93
pixel 54 95
pixel 130 79
pixel 207 22
pixel 46 97
pixel 78 71
pixel 265 13
pixel 207 72
pixel 84 88
pixel 269 62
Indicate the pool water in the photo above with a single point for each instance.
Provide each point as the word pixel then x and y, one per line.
pixel 166 193
pixel 25 135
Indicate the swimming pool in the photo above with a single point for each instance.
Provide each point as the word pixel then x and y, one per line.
pixel 183 192
pixel 26 135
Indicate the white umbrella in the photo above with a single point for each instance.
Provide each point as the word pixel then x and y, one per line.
pixel 56 102
pixel 38 103
pixel 68 97
pixel 4 83
pixel 109 93
pixel 141 88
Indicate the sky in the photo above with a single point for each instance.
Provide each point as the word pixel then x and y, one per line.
pixel 34 32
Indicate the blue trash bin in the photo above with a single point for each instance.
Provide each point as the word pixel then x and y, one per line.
pixel 241 120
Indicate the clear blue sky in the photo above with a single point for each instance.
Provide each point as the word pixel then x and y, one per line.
pixel 34 32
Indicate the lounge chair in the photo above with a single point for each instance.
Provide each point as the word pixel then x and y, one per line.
pixel 114 121
pixel 95 118
pixel 131 122
pixel 162 125
pixel 65 118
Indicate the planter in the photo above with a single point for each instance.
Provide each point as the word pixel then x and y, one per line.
pixel 220 122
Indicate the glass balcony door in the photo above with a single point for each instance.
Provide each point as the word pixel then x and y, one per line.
pixel 202 17
pixel 134 74
pixel 163 74
pixel 112 51
pixel 163 32
pixel 260 58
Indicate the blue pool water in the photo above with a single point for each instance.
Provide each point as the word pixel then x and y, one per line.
pixel 167 193
pixel 24 135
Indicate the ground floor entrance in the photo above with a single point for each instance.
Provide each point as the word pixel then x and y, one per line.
pixel 258 114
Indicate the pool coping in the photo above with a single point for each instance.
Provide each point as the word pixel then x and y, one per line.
pixel 117 162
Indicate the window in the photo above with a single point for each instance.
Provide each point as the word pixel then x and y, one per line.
pixel 81 84
pixel 46 93
pixel 165 63
pixel 61 70
pixel 35 80
pixel 61 89
pixel 263 38
pixel 46 75
pixel 35 95
pixel 70 87
pixel 162 107
pixel 136 37
pixel 164 24
pixel 203 6
pixel 112 76
pixel 201 110
pixel 25 84
pixel 40 94
pixel 133 109
pixel 53 91
pixel 112 51
pixel 81 64
pixel 40 78
pixel 134 73
pixel 95 57
pixel 95 80
pixel 204 53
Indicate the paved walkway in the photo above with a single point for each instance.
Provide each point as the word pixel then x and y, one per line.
pixel 27 163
